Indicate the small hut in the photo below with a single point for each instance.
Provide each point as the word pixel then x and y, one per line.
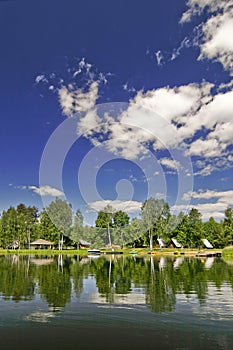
pixel 41 244
pixel 84 244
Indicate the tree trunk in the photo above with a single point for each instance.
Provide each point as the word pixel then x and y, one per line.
pixel 109 236
pixel 151 240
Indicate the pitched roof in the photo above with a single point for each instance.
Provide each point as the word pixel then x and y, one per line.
pixel 207 244
pixel 41 241
pixel 176 243
pixel 84 243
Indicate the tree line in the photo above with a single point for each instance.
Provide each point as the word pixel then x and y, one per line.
pixel 57 223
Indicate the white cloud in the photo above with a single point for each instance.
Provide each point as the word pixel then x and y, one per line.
pixel 76 100
pixel 167 118
pixel 89 123
pixel 127 206
pixel 152 117
pixel 159 57
pixel 127 88
pixel 217 31
pixel 170 163
pixel 173 103
pixel 185 43
pixel 209 194
pixel 195 7
pixel 218 43
pixel 226 86
pixel 207 210
pixel 205 148
pixel 216 209
pixel 41 79
pixel 206 170
pixel 46 191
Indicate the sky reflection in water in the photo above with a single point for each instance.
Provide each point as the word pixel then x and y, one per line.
pixel 180 302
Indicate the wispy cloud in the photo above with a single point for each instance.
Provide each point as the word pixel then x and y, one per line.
pixel 170 163
pixel 127 206
pixel 159 57
pixel 185 43
pixel 127 88
pixel 45 191
pixel 76 100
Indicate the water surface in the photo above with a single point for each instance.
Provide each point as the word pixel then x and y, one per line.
pixel 115 301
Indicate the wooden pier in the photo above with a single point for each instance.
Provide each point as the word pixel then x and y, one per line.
pixel 208 254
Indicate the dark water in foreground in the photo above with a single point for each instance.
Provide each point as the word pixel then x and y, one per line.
pixel 115 302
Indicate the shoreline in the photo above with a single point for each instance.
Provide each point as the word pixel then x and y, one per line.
pixel 135 252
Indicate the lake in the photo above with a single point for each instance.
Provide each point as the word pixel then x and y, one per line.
pixel 112 302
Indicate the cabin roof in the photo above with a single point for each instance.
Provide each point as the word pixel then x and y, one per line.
pixel 84 243
pixel 41 241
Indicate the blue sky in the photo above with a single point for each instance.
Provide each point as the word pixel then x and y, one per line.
pixel 113 102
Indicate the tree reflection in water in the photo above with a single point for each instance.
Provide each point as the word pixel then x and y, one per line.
pixel 157 280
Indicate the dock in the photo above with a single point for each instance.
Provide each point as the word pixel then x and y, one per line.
pixel 208 254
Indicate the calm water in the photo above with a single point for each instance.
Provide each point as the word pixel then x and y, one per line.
pixel 115 302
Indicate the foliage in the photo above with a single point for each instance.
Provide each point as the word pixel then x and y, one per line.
pixel 155 214
pixel 60 213
pixel 21 225
pixel 77 231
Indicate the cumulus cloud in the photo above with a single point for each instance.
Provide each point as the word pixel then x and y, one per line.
pixel 216 43
pixel 207 210
pixel 173 103
pixel 215 204
pixel 165 118
pixel 155 118
pixel 46 191
pixel 215 116
pixel 225 196
pixel 196 7
pixel 127 206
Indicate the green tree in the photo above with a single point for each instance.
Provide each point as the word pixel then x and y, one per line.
pixel 27 219
pixel 155 214
pixel 228 225
pixel 120 219
pixel 137 233
pixel 214 233
pixel 105 220
pixel 9 227
pixel 181 231
pixel 60 212
pixel 47 229
pixel 120 223
pixel 194 228
pixel 77 228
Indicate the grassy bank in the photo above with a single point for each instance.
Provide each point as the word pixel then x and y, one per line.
pixel 43 251
pixel 227 252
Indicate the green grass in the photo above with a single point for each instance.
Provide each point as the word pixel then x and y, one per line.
pixel 44 251
pixel 227 252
